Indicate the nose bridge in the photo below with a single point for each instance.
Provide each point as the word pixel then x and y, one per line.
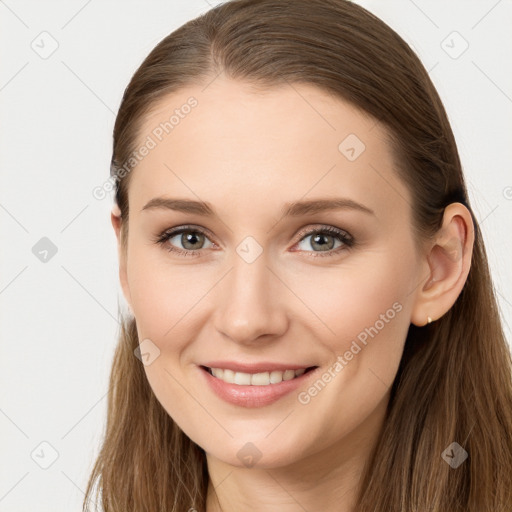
pixel 248 306
pixel 250 280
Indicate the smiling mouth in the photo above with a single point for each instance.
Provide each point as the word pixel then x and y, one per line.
pixel 256 379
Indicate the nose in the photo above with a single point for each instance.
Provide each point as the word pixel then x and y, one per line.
pixel 251 305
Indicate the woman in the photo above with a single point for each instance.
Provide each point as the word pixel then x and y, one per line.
pixel 314 325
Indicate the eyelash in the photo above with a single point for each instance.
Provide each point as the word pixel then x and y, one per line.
pixel 346 239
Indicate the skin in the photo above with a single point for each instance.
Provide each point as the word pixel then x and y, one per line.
pixel 247 153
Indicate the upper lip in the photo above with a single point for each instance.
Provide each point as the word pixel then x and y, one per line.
pixel 255 367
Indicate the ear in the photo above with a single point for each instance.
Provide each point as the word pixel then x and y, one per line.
pixel 115 218
pixel 448 260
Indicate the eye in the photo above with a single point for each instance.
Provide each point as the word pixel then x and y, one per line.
pixel 326 239
pixel 191 240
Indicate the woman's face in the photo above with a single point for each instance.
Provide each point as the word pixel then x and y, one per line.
pixel 277 279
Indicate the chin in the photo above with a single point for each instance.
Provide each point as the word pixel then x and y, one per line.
pixel 257 454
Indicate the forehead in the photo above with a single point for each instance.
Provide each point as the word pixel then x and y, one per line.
pixel 283 142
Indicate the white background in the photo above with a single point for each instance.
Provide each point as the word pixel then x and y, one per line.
pixel 58 319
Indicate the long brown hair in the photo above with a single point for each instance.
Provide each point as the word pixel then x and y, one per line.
pixel 454 383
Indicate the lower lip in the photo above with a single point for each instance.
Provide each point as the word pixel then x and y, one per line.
pixel 254 396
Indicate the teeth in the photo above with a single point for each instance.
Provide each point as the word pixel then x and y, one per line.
pixel 255 379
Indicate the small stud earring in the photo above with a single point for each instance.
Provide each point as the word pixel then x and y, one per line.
pixel 429 320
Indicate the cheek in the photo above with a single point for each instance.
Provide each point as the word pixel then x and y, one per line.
pixel 375 291
pixel 163 294
pixel 365 311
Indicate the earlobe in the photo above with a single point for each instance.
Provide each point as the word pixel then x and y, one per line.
pixel 448 260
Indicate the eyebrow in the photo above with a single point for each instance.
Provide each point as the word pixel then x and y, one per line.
pixel 289 209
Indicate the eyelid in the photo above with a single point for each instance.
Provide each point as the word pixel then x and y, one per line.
pixel 323 228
